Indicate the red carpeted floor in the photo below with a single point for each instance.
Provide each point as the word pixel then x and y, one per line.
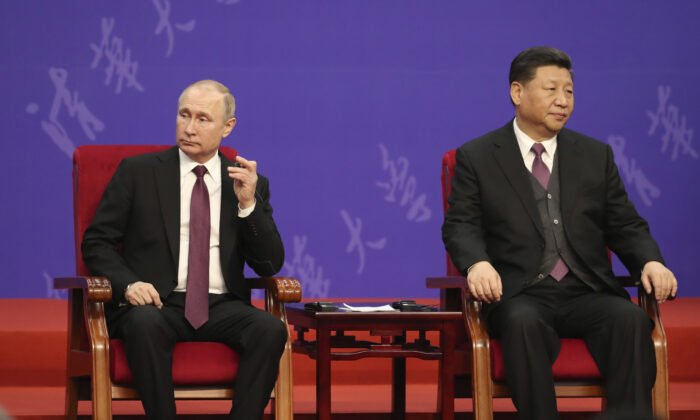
pixel 32 358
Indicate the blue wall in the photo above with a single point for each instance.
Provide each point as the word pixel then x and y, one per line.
pixel 348 107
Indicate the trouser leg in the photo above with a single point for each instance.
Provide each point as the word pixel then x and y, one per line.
pixel 259 338
pixel 530 346
pixel 618 335
pixel 149 341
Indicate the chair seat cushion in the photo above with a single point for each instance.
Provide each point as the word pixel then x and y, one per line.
pixel 194 364
pixel 574 361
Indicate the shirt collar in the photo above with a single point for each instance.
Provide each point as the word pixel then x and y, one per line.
pixel 525 142
pixel 213 166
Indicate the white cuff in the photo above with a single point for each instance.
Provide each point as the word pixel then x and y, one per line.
pixel 245 212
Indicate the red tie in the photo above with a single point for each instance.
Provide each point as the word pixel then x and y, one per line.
pixel 541 172
pixel 197 298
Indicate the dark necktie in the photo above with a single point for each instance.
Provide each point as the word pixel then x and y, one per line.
pixel 541 172
pixel 197 297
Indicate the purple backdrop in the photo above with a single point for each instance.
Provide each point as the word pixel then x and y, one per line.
pixel 348 107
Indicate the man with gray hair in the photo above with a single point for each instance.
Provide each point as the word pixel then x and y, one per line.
pixel 172 233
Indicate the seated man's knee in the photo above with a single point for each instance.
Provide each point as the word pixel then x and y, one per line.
pixel 633 319
pixel 143 321
pixel 271 329
pixel 518 319
pixel 526 325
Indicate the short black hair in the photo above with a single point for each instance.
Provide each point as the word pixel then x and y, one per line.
pixel 524 65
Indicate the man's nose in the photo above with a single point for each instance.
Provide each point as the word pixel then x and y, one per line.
pixel 562 99
pixel 189 127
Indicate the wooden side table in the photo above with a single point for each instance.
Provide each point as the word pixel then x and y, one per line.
pixel 390 328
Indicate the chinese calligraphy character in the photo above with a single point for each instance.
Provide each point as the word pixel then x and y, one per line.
pixel 676 132
pixel 632 174
pixel 304 268
pixel 356 242
pixel 119 60
pixel 76 108
pixel 163 10
pixel 401 183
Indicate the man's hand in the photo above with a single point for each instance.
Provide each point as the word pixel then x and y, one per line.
pixel 484 282
pixel 661 278
pixel 140 293
pixel 245 178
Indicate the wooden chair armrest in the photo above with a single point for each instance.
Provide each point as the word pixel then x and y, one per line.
pixel 283 289
pixel 470 307
pixel 650 305
pixel 645 300
pixel 278 291
pixel 473 320
pixel 455 296
pixel 648 302
pixel 88 339
pixel 446 282
pixel 451 289
pixel 627 281
pixel 97 289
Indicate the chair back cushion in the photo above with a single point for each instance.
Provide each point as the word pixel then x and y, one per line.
pixel 194 364
pixel 93 167
pixel 448 171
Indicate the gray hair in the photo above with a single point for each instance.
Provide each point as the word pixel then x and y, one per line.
pixel 229 101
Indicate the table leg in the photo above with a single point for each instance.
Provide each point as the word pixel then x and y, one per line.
pixel 323 373
pixel 447 376
pixel 398 389
pixel 398 384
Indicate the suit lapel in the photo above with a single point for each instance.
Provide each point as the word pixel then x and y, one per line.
pixel 169 197
pixel 229 210
pixel 507 154
pixel 568 154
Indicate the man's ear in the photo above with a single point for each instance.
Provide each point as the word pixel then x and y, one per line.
pixel 516 90
pixel 228 127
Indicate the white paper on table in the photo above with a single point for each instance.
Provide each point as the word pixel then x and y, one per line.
pixel 384 308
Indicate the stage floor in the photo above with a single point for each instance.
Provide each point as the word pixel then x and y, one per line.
pixel 32 359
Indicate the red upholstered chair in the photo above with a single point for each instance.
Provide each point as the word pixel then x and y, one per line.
pixel 575 372
pixel 97 367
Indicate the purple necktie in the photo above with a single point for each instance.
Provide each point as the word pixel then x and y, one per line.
pixel 197 297
pixel 541 172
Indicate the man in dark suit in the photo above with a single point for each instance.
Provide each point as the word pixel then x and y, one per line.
pixel 532 209
pixel 172 233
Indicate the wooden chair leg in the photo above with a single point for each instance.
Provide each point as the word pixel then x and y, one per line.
pixel 439 389
pixel 659 394
pixel 101 386
pixel 283 404
pixel 482 388
pixel 101 401
pixel 71 402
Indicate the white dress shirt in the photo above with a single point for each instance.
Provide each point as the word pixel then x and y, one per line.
pixel 525 143
pixel 213 181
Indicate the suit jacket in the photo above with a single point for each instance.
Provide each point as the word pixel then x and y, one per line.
pixel 135 234
pixel 493 215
